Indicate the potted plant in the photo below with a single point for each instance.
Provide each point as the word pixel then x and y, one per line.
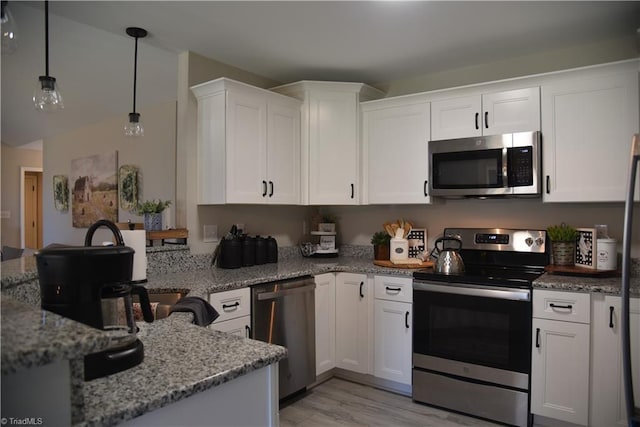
pixel 380 241
pixel 152 211
pixel 563 243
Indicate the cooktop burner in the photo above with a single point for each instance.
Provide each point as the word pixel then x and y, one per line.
pixel 495 257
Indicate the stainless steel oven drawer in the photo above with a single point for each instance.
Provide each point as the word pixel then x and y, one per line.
pixel 495 403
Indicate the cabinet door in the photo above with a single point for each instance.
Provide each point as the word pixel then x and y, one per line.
pixel 511 111
pixel 283 154
pixel 456 118
pixel 392 341
pixel 333 148
pixel 240 326
pixel 560 370
pixel 325 322
pixel 353 322
pixel 607 405
pixel 246 147
pixel 395 140
pixel 587 125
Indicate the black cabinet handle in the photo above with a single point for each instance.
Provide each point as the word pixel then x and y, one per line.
pixel 264 188
pixel 425 188
pixel 477 127
pixel 548 185
pixel 486 120
pixel 611 317
pixel 271 188
pixel 393 289
pixel 227 306
pixel 566 307
pixel 537 337
pixel 361 285
pixel 406 320
pixel 247 330
pixel 353 189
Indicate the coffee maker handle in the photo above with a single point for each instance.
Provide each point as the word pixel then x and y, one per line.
pixel 145 304
pixel 110 225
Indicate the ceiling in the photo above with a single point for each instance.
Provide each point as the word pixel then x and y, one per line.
pixel 367 41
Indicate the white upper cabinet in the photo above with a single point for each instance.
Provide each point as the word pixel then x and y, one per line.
pixel 495 113
pixel 330 134
pixel 248 144
pixel 588 121
pixel 395 133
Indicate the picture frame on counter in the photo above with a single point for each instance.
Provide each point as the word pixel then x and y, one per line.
pixel 586 248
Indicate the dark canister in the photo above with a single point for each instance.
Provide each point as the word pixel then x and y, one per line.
pixel 261 250
pixel 248 251
pixel 230 255
pixel 272 249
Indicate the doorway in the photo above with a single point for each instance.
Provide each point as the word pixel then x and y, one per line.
pixel 31 218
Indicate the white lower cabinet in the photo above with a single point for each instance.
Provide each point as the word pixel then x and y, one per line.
pixel 325 306
pixel 354 319
pixel 607 405
pixel 234 308
pixel 392 329
pixel 560 356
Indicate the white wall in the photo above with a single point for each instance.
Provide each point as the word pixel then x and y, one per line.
pixel 154 154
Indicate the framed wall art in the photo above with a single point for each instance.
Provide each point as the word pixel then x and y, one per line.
pixel 128 187
pixel 586 248
pixel 61 193
pixel 94 189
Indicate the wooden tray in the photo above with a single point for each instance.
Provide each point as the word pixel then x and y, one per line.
pixel 389 264
pixel 570 270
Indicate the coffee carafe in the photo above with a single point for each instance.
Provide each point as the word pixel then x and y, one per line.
pixel 92 285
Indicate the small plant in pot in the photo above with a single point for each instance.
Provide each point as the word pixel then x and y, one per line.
pixel 563 243
pixel 380 241
pixel 152 211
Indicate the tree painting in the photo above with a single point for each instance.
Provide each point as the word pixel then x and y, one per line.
pixel 61 192
pixel 128 183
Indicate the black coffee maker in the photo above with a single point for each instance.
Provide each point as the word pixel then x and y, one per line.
pixel 92 285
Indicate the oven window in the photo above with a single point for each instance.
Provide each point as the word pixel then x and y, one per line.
pixel 468 169
pixel 482 331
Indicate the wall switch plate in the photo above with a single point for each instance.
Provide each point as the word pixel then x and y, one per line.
pixel 210 233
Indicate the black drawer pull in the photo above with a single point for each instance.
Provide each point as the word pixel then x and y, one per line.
pixel 537 337
pixel 611 316
pixel 477 127
pixel 247 330
pixel 548 184
pixel 406 320
pixel 227 306
pixel 271 187
pixel 565 307
pixel 353 190
pixel 425 189
pixel 486 120
pixel 393 289
pixel 264 188
pixel 361 285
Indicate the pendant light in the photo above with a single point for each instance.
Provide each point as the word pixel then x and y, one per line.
pixel 133 127
pixel 8 24
pixel 47 95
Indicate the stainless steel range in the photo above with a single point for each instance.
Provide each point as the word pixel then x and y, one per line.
pixel 472 331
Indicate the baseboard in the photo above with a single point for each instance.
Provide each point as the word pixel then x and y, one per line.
pixel 364 379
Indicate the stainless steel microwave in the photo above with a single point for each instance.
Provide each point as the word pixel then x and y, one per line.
pixel 497 165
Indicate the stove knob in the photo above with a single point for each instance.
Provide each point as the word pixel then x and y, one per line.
pixel 539 241
pixel 528 241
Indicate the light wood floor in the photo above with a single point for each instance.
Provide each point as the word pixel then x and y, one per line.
pixel 343 403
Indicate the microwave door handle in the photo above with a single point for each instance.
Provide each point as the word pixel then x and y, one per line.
pixel 505 167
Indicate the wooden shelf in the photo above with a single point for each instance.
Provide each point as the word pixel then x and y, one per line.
pixel 180 234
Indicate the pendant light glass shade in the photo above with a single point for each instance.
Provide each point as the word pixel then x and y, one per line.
pixel 133 127
pixel 8 26
pixel 47 96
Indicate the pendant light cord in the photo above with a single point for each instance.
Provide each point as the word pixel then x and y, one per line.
pixel 46 36
pixel 135 74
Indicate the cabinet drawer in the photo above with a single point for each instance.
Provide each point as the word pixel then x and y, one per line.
pixel 393 288
pixel 239 326
pixel 559 305
pixel 231 304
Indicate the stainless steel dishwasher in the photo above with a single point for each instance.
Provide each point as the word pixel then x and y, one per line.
pixel 283 313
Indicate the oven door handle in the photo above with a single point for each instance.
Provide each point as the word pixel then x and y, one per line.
pixel 459 289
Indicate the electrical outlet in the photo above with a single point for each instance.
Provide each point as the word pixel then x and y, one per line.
pixel 210 233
